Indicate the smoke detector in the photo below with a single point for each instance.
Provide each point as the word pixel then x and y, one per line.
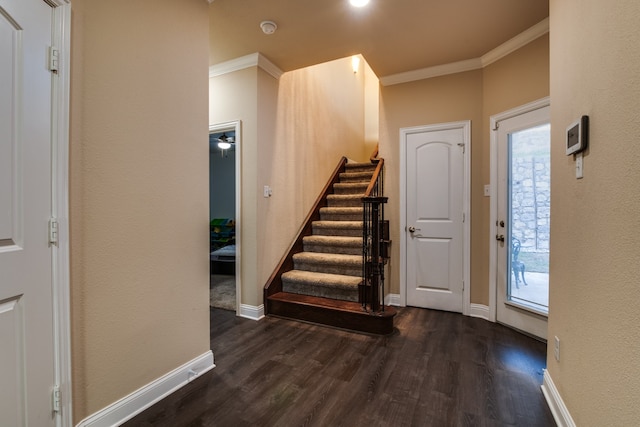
pixel 268 27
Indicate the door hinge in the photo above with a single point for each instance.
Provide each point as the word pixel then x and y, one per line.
pixel 54 59
pixel 464 217
pixel 53 231
pixel 56 398
pixel 463 285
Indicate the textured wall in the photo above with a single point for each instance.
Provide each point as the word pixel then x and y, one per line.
pixel 594 275
pixel 138 188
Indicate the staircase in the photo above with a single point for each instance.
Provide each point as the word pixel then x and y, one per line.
pixel 320 280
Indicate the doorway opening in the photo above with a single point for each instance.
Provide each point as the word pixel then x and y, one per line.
pixel 224 212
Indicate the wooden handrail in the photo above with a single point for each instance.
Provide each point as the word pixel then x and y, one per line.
pixel 374 155
pixel 274 283
pixel 374 178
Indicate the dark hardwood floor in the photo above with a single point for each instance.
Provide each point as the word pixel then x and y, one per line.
pixel 436 369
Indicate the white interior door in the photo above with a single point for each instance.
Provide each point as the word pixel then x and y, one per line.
pixel 26 310
pixel 523 218
pixel 435 176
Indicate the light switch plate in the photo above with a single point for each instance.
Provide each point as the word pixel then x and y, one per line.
pixel 579 172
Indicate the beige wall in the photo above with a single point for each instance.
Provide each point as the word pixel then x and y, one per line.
pixel 520 77
pixel 439 100
pixel 515 80
pixel 295 130
pixel 594 291
pixel 138 188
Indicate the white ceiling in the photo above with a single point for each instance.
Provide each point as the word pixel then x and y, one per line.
pixel 394 36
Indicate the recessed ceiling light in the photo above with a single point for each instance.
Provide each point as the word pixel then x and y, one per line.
pixel 359 3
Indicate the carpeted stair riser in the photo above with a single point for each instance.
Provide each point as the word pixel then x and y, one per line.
pixel 333 244
pixel 341 214
pixel 347 265
pixel 321 284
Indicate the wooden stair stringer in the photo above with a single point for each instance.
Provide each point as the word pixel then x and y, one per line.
pixel 335 313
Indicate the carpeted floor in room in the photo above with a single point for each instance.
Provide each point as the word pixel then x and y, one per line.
pixel 222 291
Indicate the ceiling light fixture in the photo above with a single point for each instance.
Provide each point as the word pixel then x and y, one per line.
pixel 355 63
pixel 359 3
pixel 268 27
pixel 224 142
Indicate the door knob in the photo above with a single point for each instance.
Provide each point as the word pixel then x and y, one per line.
pixel 500 237
pixel 412 229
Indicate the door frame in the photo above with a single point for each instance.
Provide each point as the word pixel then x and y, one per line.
pixel 466 205
pixel 494 122
pixel 61 38
pixel 236 125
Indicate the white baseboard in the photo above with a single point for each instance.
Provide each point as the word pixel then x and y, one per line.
pixel 141 399
pixel 251 311
pixel 392 299
pixel 556 404
pixel 479 310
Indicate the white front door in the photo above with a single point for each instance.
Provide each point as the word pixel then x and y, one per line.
pixel 435 176
pixel 522 153
pixel 26 309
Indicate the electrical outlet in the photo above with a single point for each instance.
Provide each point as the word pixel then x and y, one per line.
pixel 556 348
pixel 487 190
pixel 267 191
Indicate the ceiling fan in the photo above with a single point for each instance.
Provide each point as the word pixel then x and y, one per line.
pixel 224 141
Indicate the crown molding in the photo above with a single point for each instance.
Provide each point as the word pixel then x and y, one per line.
pixel 252 60
pixel 430 72
pixel 510 46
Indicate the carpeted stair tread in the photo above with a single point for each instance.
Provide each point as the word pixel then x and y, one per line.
pixel 328 259
pixel 350 188
pixel 356 176
pixel 333 244
pixel 349 265
pixel 359 167
pixel 326 285
pixel 341 213
pixel 337 228
pixel 344 200
pixel 323 279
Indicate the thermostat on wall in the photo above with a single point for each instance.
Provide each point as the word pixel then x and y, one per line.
pixel 578 135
